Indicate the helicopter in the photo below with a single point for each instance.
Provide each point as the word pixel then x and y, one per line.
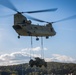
pixel 24 27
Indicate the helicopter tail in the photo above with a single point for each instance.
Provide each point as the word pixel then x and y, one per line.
pixel 19 19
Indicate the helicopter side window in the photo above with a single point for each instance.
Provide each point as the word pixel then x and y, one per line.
pixel 36 28
pixel 28 22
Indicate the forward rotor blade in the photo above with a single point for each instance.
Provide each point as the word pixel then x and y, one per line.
pixel 38 11
pixel 6 15
pixel 68 18
pixel 8 4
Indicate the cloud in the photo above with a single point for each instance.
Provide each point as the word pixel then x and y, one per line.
pixel 13 58
pixel 17 57
pixel 34 49
pixel 61 58
pixel 24 57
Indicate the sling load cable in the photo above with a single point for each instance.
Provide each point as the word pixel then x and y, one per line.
pixel 31 48
pixel 42 49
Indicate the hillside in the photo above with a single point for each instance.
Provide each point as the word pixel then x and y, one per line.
pixel 53 68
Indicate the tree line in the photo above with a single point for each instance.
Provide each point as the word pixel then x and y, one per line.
pixel 53 68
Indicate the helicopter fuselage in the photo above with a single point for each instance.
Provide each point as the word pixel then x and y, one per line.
pixel 34 30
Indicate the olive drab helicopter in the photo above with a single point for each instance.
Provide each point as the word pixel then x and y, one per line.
pixel 25 27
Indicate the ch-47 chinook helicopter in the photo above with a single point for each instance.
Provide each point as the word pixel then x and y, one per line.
pixel 25 27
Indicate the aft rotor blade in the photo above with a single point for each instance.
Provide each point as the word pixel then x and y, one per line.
pixel 68 18
pixel 38 11
pixel 8 4
pixel 35 19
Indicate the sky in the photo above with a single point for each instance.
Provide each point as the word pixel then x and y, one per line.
pixel 59 48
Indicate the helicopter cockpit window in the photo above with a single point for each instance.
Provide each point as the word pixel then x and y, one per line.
pixel 23 21
pixel 51 29
pixel 17 27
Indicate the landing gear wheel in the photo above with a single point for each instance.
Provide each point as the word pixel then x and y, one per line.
pixel 19 37
pixel 37 39
pixel 47 37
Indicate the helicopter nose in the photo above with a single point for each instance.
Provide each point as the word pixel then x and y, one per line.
pixel 54 33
